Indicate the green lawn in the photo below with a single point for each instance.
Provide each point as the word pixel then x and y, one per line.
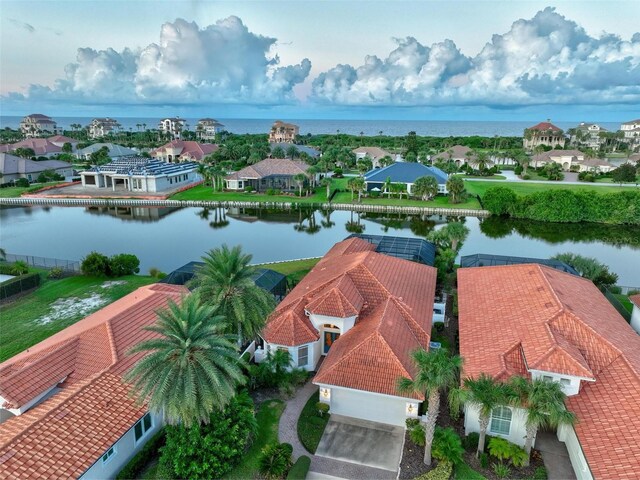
pixel 440 201
pixel 294 269
pixel 17 191
pixel 490 177
pixel 525 188
pixel 201 192
pixel 21 322
pixel 311 425
pixel 268 417
pixel 624 300
pixel 465 472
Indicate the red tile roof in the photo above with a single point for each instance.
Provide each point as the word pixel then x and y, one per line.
pixel 188 149
pixel 393 301
pixel 551 320
pixel 271 166
pixel 545 126
pixel 41 146
pixel 635 299
pixel 65 434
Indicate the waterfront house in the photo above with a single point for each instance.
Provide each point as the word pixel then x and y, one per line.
pixel 12 168
pixel 363 312
pixel 271 173
pixel 183 151
pixel 101 127
pixel 565 158
pixel 207 128
pixel 541 323
pixel 544 133
pixel 65 410
pixel 405 173
pixel 282 132
pixel 375 154
pixel 172 126
pixel 631 131
pixel 140 175
pixel 116 151
pixel 635 313
pixel 41 147
pixel 38 125
pixel 588 134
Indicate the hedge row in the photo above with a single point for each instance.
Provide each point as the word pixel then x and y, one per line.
pixel 19 284
pixel 566 206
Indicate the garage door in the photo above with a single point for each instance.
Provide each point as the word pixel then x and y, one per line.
pixel 367 406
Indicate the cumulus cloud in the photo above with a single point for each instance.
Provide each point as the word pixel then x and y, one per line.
pixel 546 59
pixel 221 63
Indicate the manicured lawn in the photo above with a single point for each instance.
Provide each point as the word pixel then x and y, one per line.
pixel 24 323
pixel 624 300
pixel 490 177
pixel 465 472
pixel 525 188
pixel 311 425
pixel 202 192
pixel 294 269
pixel 17 191
pixel 268 417
pixel 440 201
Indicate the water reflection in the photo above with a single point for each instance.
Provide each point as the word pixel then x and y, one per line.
pixel 136 214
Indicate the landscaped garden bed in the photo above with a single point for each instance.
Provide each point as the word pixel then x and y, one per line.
pixel 311 424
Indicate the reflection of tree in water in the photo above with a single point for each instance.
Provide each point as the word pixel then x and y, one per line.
pixel 354 226
pixel 219 216
pixel 620 235
pixel 326 221
pixel 421 225
pixel 308 216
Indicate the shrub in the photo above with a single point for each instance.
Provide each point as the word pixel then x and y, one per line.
pixel 526 176
pixel 248 189
pixel 503 449
pixel 447 446
pixel 439 327
pixel 540 473
pixel 411 422
pixel 501 470
pixel 123 264
pixel 337 172
pixel 374 194
pixel 323 408
pixel 154 272
pixel 499 200
pixel 484 460
pixel 214 449
pixel 442 471
pixel 417 435
pixel 275 460
pixel 142 458
pixel 518 169
pixel 19 268
pixel 95 264
pixel 300 468
pixel 22 182
pixel 273 191
pixel 55 273
pixel 470 442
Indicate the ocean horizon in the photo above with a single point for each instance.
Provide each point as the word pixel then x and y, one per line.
pixel 435 128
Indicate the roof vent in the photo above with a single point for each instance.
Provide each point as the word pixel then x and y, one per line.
pixel 548 305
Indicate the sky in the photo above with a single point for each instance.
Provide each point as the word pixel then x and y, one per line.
pixel 432 60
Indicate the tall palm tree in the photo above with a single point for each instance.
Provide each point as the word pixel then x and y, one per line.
pixel 436 371
pixel 326 182
pixel 484 393
pixel 191 369
pixel 226 282
pixel 299 179
pixel 543 402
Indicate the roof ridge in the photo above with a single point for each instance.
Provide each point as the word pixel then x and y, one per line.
pixel 112 341
pixel 54 349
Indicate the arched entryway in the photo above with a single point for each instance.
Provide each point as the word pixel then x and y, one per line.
pixel 330 334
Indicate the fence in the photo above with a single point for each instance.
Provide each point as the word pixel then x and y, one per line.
pixel 45 262
pixel 617 304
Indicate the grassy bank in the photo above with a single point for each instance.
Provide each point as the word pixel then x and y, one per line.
pixel 206 193
pixel 55 305
pixel 526 188
pixel 294 269
pixel 438 202
pixel 17 191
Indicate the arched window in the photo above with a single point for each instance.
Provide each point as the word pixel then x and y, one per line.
pixel 500 420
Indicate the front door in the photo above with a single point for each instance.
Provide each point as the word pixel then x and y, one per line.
pixel 329 338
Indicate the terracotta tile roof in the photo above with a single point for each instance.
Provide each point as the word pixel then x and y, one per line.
pixel 41 146
pixel 635 299
pixel 189 149
pixel 393 301
pixel 545 126
pixel 457 152
pixel 271 166
pixel 62 139
pixel 374 153
pixel 561 323
pixel 66 433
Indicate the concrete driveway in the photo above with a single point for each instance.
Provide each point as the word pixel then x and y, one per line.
pixel 361 442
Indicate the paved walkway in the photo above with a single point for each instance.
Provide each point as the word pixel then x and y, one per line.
pixel 288 433
pixel 555 457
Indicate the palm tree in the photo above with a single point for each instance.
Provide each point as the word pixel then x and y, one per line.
pixel 191 368
pixel 543 402
pixel 326 182
pixel 226 282
pixel 484 393
pixel 455 233
pixel 356 184
pixel 299 179
pixel 425 187
pixel 455 187
pixel 436 371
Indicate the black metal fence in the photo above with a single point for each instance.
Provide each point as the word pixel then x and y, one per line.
pixel 617 304
pixel 45 262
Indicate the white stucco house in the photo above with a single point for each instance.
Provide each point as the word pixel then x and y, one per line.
pixel 635 313
pixel 364 312
pixel 541 323
pixel 65 411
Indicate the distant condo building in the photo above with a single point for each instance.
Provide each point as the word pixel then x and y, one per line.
pixel 207 128
pixel 101 127
pixel 282 132
pixel 588 134
pixel 631 131
pixel 172 126
pixel 544 133
pixel 38 125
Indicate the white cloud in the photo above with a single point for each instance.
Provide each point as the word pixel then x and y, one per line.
pixel 547 59
pixel 221 63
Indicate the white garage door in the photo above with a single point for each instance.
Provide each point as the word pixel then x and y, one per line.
pixel 367 406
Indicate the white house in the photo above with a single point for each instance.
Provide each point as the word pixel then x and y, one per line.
pixel 565 158
pixel 405 173
pixel 595 165
pixel 172 126
pixel 65 411
pixel 37 125
pixel 207 128
pixel 635 314
pixel 100 127
pixel 538 322
pixel 364 312
pixel 588 134
pixel 631 131
pixel 375 154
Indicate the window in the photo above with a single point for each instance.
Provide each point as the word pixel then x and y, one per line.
pixel 303 356
pixel 142 427
pixel 501 420
pixel 565 382
pixel 108 454
pixel 547 378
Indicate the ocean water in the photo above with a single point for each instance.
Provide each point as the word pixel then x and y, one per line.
pixel 352 127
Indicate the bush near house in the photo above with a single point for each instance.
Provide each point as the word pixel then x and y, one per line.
pixel 275 460
pixel 300 468
pixel 442 471
pixel 311 425
pixel 96 264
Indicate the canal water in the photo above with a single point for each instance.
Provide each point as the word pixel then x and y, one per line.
pixel 167 238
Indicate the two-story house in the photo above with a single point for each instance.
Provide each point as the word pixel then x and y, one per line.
pixel 631 131
pixel 282 132
pixel 101 127
pixel 183 151
pixel 172 126
pixel 38 125
pixel 541 323
pixel 588 134
pixel 207 128
pixel 544 133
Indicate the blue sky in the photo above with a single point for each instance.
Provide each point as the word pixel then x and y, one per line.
pixel 448 60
